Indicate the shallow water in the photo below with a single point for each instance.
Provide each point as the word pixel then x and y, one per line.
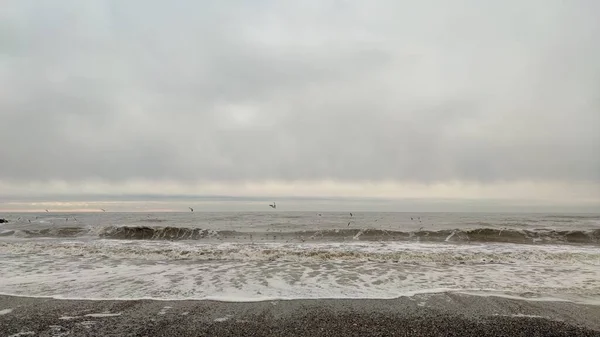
pixel 257 256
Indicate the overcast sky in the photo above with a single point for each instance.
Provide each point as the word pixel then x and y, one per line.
pixel 421 99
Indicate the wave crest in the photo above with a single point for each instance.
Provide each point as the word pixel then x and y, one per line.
pixel 492 235
pixel 156 233
pixel 317 252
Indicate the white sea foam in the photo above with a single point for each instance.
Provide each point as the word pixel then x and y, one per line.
pixel 306 252
pixel 223 319
pixel 87 324
pixel 164 310
pixel 59 331
pixel 520 315
pixel 270 272
pixel 5 311
pixel 104 314
pixel 120 269
pixel 24 333
pixel 524 315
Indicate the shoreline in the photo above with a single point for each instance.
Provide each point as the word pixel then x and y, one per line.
pixel 475 293
pixel 440 314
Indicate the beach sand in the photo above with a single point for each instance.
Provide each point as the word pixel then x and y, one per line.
pixel 444 314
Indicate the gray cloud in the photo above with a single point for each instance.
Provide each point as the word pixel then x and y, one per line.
pixel 426 92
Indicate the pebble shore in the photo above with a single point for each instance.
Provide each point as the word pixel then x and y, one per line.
pixel 431 315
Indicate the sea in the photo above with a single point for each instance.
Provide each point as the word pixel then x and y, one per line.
pixel 257 256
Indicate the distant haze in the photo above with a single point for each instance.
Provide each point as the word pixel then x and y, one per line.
pixel 431 105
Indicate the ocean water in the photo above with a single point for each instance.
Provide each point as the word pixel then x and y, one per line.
pixel 292 255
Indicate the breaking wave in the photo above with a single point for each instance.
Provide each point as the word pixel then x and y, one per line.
pixel 495 235
pixel 59 232
pixel 157 233
pixel 308 252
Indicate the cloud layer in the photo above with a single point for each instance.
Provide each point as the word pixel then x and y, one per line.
pixel 423 92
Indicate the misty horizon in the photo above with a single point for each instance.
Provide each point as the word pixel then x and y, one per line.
pixel 451 105
pixel 180 204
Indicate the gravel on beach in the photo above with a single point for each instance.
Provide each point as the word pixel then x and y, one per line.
pixel 430 315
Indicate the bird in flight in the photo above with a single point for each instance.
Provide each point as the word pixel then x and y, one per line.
pixel 102 209
pixel 350 214
pixel 273 205
pixel 191 209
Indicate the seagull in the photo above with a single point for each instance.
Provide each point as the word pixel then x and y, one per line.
pixel 47 211
pixel 191 209
pixel 348 223
pixel 102 209
pixel 274 205
pixel 350 214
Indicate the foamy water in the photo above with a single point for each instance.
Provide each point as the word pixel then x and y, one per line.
pixel 231 264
